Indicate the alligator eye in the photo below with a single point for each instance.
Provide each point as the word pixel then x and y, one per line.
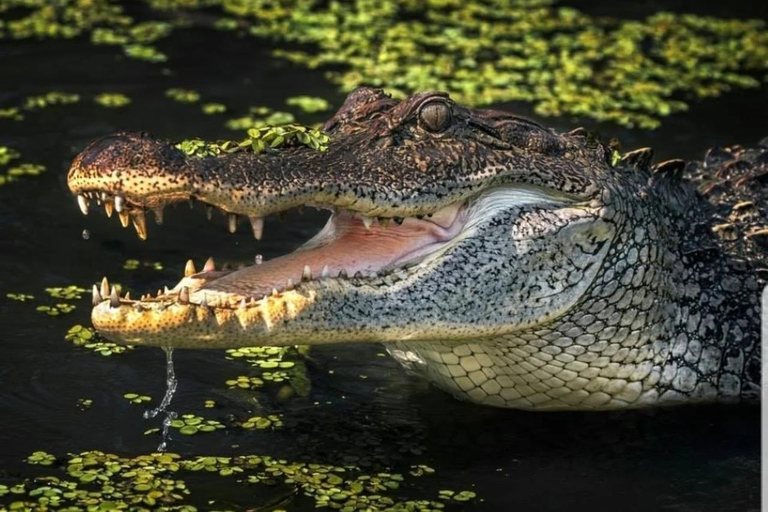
pixel 435 116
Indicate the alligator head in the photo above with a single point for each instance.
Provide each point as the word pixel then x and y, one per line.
pixel 450 227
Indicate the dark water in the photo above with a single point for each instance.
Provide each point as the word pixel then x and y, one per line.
pixel 686 459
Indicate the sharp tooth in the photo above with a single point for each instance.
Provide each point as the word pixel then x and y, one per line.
pixel 306 275
pixel 124 218
pixel 275 292
pixel 326 272
pixel 209 211
pixel 204 302
pixel 210 265
pixel 119 203
pixel 189 269
pixel 257 223
pixel 140 223
pixel 127 295
pixel 166 291
pixel 398 220
pixel 289 284
pixel 343 273
pixel 242 305
pixel 383 221
pixel 103 196
pixel 367 221
pixel 82 202
pixel 96 295
pixel 158 215
pixel 232 222
pixel 109 207
pixel 258 259
pixel 184 295
pixel 358 275
pixel 159 292
pixel 114 298
pixel 104 287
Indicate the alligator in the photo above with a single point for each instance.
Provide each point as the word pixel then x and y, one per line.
pixel 510 265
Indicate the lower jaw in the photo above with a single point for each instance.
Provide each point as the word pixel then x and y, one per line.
pixel 344 248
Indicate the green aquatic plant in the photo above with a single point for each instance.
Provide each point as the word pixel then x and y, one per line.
pixel 309 104
pixel 183 95
pixel 87 338
pixel 112 100
pixel 57 309
pixel 259 140
pixel 564 62
pixel 7 154
pixel 189 424
pixel 21 297
pixel 11 113
pixel 213 108
pixel 136 398
pixel 132 264
pixel 49 99
pixel 71 292
pixel 263 422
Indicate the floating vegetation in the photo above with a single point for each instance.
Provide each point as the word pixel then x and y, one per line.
pixel 112 100
pixel 86 337
pixel 84 403
pixel 136 398
pixel 210 404
pixel 183 95
pixel 41 459
pixel 632 72
pixel 263 422
pixel 258 140
pixel 95 480
pixel 11 113
pixel 7 154
pixel 71 292
pixel 57 309
pixel 213 108
pixel 189 424
pixel 309 104
pixel 135 264
pixel 49 99
pixel 244 382
pixel 21 297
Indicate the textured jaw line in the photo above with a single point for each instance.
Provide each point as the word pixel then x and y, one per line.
pixel 206 308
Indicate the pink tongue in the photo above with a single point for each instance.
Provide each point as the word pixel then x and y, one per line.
pixel 351 247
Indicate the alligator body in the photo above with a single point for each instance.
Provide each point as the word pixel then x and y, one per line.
pixel 510 265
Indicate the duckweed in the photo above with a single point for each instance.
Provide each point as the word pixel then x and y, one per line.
pixel 41 458
pixel 183 95
pixel 57 309
pixel 263 422
pixel 132 264
pixel 136 398
pixel 21 297
pixel 244 382
pixel 71 292
pixel 7 154
pixel 210 404
pixel 213 108
pixel 112 100
pixel 49 99
pixel 309 104
pixel 84 403
pixel 259 140
pixel 86 337
pixel 632 72
pixel 189 424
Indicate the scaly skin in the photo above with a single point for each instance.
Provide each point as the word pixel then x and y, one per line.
pixel 555 279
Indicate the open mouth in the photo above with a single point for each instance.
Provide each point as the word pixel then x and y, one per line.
pixel 350 246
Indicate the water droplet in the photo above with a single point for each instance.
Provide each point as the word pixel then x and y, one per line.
pixel 86 234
